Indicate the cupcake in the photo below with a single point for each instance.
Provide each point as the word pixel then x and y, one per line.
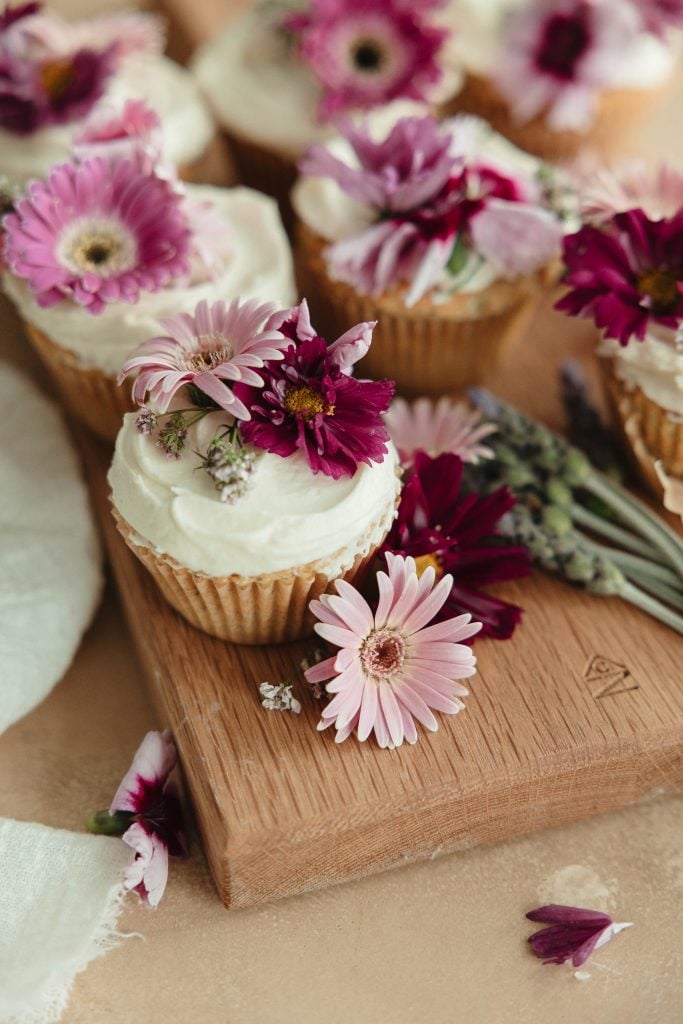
pixel 249 483
pixel 624 270
pixel 555 76
pixel 443 232
pixel 56 74
pixel 277 80
pixel 108 246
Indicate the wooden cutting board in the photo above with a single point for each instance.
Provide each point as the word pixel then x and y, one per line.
pixel 581 712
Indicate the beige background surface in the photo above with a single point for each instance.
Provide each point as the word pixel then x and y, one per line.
pixel 436 943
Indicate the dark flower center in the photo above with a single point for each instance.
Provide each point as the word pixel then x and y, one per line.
pixel 661 288
pixel 432 558
pixel 56 77
pixel 382 652
pixel 301 400
pixel 368 55
pixel 565 38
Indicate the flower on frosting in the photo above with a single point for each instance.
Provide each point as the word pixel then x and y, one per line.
pixel 311 403
pixel 605 191
pixel 437 427
pixel 97 233
pixel 573 933
pixel 393 668
pixel 456 533
pixel 431 206
pixel 365 53
pixel 131 132
pixel 212 350
pixel 557 55
pixel 626 275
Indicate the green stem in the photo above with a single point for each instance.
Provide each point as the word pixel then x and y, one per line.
pixel 634 512
pixel 613 532
pixel 653 607
pixel 643 566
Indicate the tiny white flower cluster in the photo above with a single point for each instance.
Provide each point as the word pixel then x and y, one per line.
pixel 279 697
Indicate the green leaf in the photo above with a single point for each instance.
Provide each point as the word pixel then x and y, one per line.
pixel 459 256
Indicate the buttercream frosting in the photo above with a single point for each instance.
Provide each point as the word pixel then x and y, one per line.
pixel 288 518
pixel 258 264
pixel 655 365
pixel 187 126
pixel 258 91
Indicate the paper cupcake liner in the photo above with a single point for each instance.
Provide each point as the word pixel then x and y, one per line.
pixel 270 608
pixel 660 430
pixel 266 171
pixel 89 395
pixel 619 117
pixel 430 348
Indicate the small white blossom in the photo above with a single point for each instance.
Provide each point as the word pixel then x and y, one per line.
pixel 279 697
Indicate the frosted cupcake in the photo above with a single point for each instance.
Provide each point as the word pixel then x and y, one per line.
pixel 558 75
pixel 55 74
pixel 625 272
pixel 443 232
pixel 108 246
pixel 264 472
pixel 279 76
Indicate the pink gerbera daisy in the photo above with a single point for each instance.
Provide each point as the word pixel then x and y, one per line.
pixel 211 351
pixel 97 233
pixel 368 52
pixel 392 667
pixel 132 132
pixel 605 191
pixel 437 427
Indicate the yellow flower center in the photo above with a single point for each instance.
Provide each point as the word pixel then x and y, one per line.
pixel 432 558
pixel 56 77
pixel 303 401
pixel 382 653
pixel 661 287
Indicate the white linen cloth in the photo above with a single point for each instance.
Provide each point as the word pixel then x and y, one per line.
pixel 50 576
pixel 60 897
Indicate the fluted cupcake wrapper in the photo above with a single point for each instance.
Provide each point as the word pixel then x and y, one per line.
pixel 429 348
pixel 660 430
pixel 88 394
pixel 269 608
pixel 266 171
pixel 619 117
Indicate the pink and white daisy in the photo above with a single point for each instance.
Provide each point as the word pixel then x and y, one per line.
pixel 97 233
pixel 392 668
pixel 132 132
pixel 437 427
pixel 557 55
pixel 211 350
pixel 366 53
pixel 605 191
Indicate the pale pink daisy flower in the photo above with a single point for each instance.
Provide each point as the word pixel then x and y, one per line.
pixel 604 191
pixel 392 667
pixel 216 347
pixel 131 132
pixel 97 233
pixel 437 427
pixel 557 55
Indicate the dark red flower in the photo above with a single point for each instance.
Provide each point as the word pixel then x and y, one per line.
pixel 626 274
pixel 11 15
pixel 458 534
pixel 573 934
pixel 311 403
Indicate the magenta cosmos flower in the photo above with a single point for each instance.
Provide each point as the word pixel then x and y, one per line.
pixel 458 533
pixel 557 55
pixel 97 233
pixel 156 821
pixel 392 668
pixel 311 403
pixel 212 351
pixel 366 53
pixel 132 132
pixel 437 427
pixel 426 198
pixel 573 933
pixel 627 275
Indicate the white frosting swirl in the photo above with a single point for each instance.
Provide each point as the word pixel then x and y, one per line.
pixel 259 92
pixel 288 518
pixel 655 365
pixel 187 126
pixel 259 266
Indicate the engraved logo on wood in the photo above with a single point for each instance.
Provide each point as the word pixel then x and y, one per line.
pixel 612 677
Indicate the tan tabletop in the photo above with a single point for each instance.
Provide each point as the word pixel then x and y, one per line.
pixel 441 942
